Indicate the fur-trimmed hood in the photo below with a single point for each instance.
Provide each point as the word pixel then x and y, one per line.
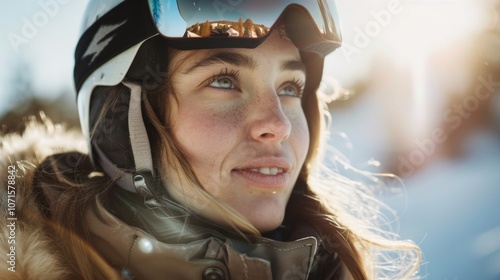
pixel 36 251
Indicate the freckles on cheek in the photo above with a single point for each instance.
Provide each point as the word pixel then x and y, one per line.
pixel 204 136
pixel 297 118
pixel 303 133
pixel 300 134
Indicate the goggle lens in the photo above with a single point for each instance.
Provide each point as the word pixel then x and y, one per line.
pixel 234 18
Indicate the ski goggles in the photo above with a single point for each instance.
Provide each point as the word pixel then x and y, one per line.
pixel 173 18
pixel 312 25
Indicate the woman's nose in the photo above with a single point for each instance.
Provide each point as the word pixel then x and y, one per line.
pixel 269 124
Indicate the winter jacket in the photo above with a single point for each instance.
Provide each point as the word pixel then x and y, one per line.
pixel 171 245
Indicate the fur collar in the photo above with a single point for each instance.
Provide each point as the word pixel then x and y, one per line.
pixel 35 251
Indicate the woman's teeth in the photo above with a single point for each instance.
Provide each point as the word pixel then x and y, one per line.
pixel 267 170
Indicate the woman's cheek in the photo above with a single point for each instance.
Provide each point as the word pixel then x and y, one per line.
pixel 205 132
pixel 300 133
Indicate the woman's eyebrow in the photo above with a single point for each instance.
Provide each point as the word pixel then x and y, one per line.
pixel 223 57
pixel 242 60
pixel 293 65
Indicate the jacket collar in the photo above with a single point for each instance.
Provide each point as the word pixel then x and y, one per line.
pixel 189 249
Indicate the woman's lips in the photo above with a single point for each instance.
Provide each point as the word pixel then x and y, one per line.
pixel 265 172
pixel 259 178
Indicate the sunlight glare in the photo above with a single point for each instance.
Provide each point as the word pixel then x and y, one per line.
pixel 422 29
pixel 429 25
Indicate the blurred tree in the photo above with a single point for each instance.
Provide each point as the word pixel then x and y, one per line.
pixel 239 26
pixel 156 9
pixel 23 100
pixel 205 29
pixel 248 28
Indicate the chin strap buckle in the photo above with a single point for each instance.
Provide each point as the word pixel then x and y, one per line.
pixel 141 187
pixel 148 187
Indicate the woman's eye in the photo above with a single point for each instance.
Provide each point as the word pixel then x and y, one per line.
pixel 291 90
pixel 225 83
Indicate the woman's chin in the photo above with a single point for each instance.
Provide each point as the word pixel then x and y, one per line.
pixel 268 224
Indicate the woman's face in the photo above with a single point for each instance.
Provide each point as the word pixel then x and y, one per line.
pixel 239 121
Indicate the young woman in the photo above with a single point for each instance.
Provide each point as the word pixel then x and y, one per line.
pixel 204 139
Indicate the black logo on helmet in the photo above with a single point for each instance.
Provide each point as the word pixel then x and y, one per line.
pixel 101 40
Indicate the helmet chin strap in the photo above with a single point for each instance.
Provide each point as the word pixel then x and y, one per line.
pixel 144 177
pixel 144 171
pixel 139 139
